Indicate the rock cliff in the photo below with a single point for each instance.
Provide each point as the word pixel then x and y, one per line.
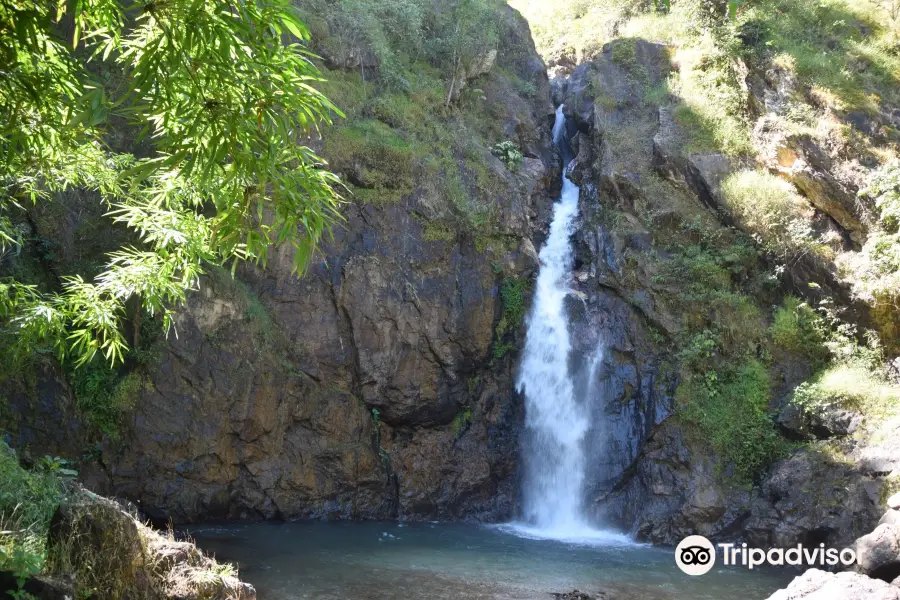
pixel 377 385
pixel 653 213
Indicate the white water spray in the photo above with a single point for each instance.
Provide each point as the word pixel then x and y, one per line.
pixel 556 421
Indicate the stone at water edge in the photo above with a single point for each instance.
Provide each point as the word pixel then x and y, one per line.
pixel 132 561
pixel 894 501
pixel 878 553
pixel 821 585
pixel 573 595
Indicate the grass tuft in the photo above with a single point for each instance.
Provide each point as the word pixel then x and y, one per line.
pixel 28 500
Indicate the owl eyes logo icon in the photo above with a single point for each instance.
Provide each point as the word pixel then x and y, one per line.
pixel 695 555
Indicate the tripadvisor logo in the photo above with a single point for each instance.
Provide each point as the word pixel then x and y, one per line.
pixel 696 555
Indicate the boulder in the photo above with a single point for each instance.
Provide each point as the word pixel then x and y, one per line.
pixel 112 555
pixel 819 422
pixel 102 543
pixel 480 65
pixel 815 584
pixel 878 553
pixel 881 456
pixel 558 87
pixel 809 499
pixel 891 517
pixel 894 501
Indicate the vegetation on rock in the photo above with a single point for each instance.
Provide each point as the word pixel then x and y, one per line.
pixel 804 90
pixel 509 153
pixel 28 500
pixel 51 526
pixel 512 292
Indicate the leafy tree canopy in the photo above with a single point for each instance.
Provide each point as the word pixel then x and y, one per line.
pixel 222 94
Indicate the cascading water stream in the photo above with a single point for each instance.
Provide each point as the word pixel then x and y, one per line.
pixel 556 421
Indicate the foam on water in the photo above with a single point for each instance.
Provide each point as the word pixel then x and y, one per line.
pixel 581 534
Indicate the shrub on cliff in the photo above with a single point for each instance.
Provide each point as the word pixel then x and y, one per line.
pixel 509 153
pixel 796 327
pixel 28 500
pixel 730 410
pixel 770 209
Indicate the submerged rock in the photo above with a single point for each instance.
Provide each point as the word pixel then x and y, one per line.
pixel 573 595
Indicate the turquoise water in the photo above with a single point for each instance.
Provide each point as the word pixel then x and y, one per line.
pixel 382 561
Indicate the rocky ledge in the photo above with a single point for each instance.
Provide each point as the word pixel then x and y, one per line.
pixel 876 575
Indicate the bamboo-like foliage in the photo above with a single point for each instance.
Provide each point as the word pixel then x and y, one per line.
pixel 222 90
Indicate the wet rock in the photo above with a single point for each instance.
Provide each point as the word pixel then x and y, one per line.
pixel 558 87
pixel 673 490
pixel 878 553
pixel 815 584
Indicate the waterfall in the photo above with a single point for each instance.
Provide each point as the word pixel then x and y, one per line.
pixel 556 420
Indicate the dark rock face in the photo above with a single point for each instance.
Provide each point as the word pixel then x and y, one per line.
pixel 810 499
pixel 820 422
pixel 673 491
pixel 370 394
pixel 38 588
pixel 618 366
pixel 656 477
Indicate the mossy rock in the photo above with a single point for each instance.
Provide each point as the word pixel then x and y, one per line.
pixel 94 538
